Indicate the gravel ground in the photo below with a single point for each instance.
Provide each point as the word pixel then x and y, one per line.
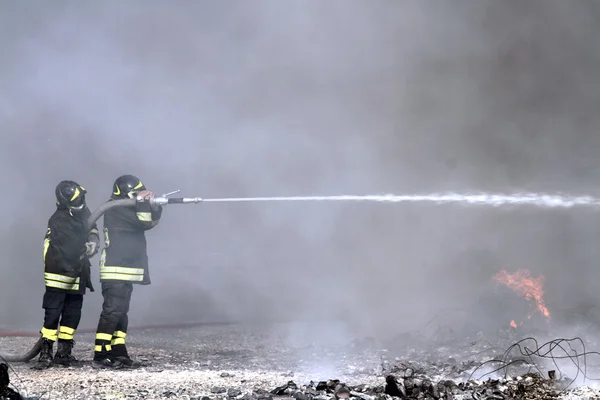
pixel 196 362
pixel 225 362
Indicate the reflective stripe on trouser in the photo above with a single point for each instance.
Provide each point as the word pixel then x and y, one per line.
pixel 102 344
pixel 119 349
pixel 118 338
pixel 49 334
pixel 65 333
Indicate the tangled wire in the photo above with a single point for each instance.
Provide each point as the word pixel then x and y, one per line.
pixel 545 351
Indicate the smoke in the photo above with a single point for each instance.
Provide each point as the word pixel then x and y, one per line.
pixel 307 98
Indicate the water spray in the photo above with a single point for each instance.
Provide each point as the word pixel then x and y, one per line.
pixel 489 199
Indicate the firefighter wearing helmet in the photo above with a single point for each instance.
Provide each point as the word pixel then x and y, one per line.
pixel 67 246
pixel 124 263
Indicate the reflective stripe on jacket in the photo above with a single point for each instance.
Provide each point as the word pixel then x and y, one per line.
pixel 124 257
pixel 64 245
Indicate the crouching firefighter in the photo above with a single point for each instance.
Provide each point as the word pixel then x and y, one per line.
pixel 67 246
pixel 123 263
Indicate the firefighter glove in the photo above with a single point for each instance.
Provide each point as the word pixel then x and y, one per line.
pixel 91 248
pixel 145 195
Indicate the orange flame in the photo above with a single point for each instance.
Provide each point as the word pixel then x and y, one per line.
pixel 532 288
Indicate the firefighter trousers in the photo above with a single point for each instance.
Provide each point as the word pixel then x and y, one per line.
pixel 64 309
pixel 112 327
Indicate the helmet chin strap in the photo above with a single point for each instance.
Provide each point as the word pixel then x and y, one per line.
pixel 78 208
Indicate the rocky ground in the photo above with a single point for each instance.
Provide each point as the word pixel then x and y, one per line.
pixel 258 362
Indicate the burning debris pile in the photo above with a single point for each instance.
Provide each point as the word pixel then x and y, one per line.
pixel 532 289
pixel 513 300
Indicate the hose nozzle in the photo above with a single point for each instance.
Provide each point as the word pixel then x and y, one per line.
pixel 163 201
pixel 194 200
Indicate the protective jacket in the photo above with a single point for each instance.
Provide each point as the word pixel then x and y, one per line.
pixel 124 257
pixel 65 266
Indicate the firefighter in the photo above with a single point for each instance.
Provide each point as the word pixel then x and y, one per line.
pixel 68 245
pixel 123 263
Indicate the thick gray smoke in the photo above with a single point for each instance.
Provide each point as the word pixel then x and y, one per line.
pixel 306 98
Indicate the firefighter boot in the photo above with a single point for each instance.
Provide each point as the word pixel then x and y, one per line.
pixel 106 363
pixel 120 354
pixel 103 357
pixel 63 354
pixel 45 360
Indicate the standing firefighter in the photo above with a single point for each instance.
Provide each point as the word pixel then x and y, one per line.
pixel 124 262
pixel 67 246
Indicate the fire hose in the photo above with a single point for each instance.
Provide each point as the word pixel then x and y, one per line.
pixel 154 201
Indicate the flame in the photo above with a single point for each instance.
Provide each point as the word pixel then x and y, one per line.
pixel 531 288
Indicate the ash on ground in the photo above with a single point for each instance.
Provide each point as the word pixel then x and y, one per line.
pixel 258 363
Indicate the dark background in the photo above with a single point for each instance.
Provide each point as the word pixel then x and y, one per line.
pixel 315 97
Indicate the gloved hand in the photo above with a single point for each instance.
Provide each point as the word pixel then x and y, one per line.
pixel 145 195
pixel 91 248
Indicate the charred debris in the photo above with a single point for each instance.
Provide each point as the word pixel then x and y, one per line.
pixel 525 370
pixel 417 386
pixel 6 392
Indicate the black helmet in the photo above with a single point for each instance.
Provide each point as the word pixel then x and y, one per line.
pixel 70 195
pixel 127 186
